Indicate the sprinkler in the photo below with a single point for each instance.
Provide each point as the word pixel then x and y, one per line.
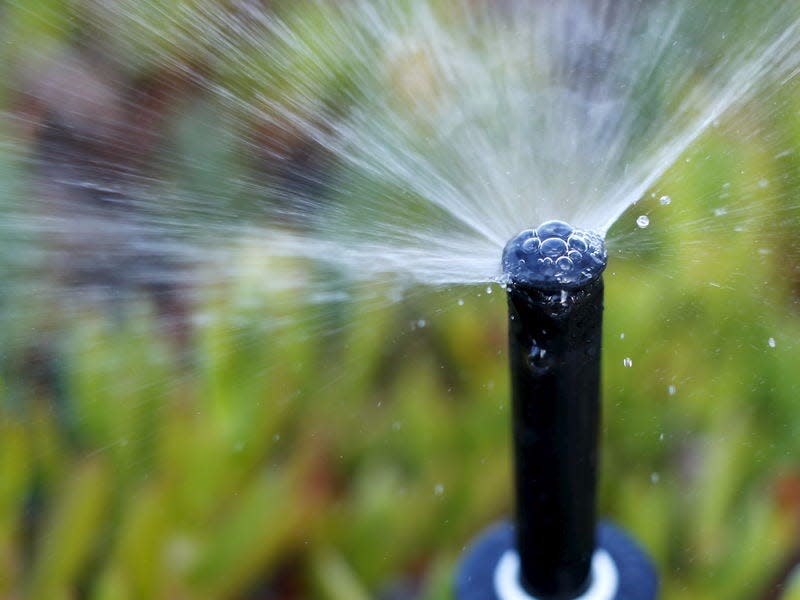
pixel 555 312
pixel 555 550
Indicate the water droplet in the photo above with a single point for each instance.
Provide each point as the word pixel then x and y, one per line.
pixel 661 437
pixel 575 256
pixel 460 302
pixel 643 221
pixel 627 362
pixel 553 247
pixel 488 289
pixel 622 335
pixel 439 489
pixel 565 264
pixel 276 437
pixel 763 183
pixel 397 425
pixel 772 343
pixel 720 212
pixel 537 359
pixel 578 242
pixel 554 229
pixel 665 200
pixel 421 323
pixel 655 478
pixel 530 245
pixel 671 390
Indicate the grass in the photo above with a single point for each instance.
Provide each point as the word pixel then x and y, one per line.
pixel 335 465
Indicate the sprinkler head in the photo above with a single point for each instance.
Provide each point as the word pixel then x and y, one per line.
pixel 555 256
pixel 554 548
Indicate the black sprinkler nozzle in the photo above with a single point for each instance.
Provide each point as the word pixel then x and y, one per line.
pixel 555 302
pixel 554 257
pixel 554 550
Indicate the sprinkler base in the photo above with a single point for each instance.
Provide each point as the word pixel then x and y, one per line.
pixel 620 568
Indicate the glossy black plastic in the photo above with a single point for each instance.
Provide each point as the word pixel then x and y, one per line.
pixel 555 333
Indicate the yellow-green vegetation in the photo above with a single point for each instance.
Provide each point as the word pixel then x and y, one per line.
pixel 347 460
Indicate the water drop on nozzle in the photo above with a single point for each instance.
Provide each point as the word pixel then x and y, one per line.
pixel 565 264
pixel 530 246
pixel 538 360
pixel 552 229
pixel 578 243
pixel 553 247
pixel 575 256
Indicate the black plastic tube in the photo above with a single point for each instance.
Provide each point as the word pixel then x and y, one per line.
pixel 555 302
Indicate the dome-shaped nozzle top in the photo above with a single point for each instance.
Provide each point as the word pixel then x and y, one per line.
pixel 555 256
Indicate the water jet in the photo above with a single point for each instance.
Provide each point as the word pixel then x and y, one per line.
pixel 555 550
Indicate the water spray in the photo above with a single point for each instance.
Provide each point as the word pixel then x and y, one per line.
pixel 555 550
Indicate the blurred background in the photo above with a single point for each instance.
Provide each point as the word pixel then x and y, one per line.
pixel 234 425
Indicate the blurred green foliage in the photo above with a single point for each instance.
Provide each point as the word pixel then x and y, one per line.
pixel 351 451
